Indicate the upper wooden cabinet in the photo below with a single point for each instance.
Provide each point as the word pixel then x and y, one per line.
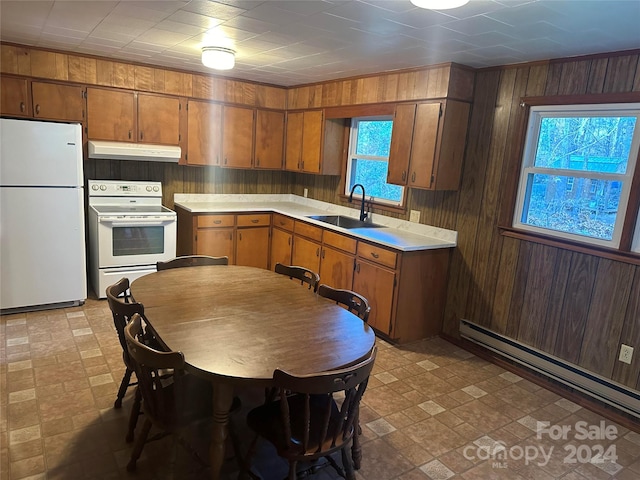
pixel 427 144
pixel 127 116
pixel 269 143
pixel 111 115
pixel 204 133
pixel 237 136
pixel 158 119
pixel 43 100
pixel 315 144
pixel 15 100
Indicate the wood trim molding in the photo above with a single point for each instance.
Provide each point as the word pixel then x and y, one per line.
pixel 603 252
pixel 628 97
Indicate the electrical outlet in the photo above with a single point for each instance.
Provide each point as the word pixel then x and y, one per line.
pixel 414 216
pixel 306 192
pixel 626 353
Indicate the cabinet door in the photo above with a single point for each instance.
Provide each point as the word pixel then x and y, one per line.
pixel 111 115
pixel 204 133
pixel 15 97
pixel 336 268
pixel 158 119
pixel 216 242
pixel 293 151
pixel 400 151
pixel 58 102
pixel 269 139
pixel 376 284
pixel 252 247
pixel 237 136
pixel 280 247
pixel 423 147
pixel 312 141
pixel 306 253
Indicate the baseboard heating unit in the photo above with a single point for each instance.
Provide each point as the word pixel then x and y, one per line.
pixel 603 389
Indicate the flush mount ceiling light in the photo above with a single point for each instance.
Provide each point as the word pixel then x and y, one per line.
pixel 219 58
pixel 439 4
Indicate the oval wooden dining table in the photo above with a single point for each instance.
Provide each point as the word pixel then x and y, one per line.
pixel 235 325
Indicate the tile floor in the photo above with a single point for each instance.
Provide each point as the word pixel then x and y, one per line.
pixel 432 411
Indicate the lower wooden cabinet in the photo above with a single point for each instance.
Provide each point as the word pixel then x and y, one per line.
pixel 406 289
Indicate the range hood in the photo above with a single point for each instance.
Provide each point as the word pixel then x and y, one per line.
pixel 133 151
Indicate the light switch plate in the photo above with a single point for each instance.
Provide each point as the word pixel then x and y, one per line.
pixel 306 192
pixel 414 216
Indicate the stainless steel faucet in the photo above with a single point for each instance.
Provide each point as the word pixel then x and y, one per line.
pixel 363 214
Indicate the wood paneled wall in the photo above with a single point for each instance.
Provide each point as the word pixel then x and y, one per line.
pixel 575 306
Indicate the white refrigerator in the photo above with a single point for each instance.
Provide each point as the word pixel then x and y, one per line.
pixel 42 239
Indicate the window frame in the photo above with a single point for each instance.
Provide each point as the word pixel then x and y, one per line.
pixel 351 154
pixel 629 246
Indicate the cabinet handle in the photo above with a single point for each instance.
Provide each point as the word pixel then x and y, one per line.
pixel 258 162
pixel 217 222
pixel 357 268
pixel 38 109
pixel 404 175
pixel 240 235
pixel 289 241
pixel 375 255
pixel 129 134
pixel 22 106
pixel 141 135
pixel 413 177
pixel 318 252
pixel 323 250
pixel 254 220
pixel 225 160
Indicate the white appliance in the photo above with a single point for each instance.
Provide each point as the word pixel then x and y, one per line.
pixel 42 238
pixel 129 231
pixel 133 151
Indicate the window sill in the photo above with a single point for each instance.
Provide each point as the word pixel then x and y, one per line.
pixel 603 252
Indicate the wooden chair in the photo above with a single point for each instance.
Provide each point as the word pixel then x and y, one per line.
pixel 305 275
pixel 172 400
pixel 306 423
pixel 192 261
pixel 353 301
pixel 123 307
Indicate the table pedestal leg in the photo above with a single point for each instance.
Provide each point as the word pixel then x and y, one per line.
pixel 222 400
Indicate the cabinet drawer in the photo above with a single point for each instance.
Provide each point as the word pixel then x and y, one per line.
pixel 307 230
pixel 254 220
pixel 377 254
pixel 339 241
pixel 208 221
pixel 281 221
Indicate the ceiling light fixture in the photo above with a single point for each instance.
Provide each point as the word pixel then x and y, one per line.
pixel 439 4
pixel 219 58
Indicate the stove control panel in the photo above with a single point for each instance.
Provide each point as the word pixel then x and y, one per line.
pixel 116 188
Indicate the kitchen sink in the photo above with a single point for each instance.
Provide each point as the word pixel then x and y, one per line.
pixel 344 222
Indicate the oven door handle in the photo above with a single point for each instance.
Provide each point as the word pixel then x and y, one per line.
pixel 124 222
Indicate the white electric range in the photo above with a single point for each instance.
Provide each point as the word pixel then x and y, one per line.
pixel 129 231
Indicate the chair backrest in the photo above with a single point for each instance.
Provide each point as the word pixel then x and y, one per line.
pixel 154 370
pixel 305 275
pixel 321 425
pixel 192 261
pixel 354 302
pixel 123 307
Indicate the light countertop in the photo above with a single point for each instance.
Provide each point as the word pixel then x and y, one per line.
pixel 394 233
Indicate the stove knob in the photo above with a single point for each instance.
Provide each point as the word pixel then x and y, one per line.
pixel 103 187
pixel 94 187
pixel 148 188
pixel 155 189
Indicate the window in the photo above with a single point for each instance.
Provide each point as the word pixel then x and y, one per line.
pixel 577 172
pixel 368 160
